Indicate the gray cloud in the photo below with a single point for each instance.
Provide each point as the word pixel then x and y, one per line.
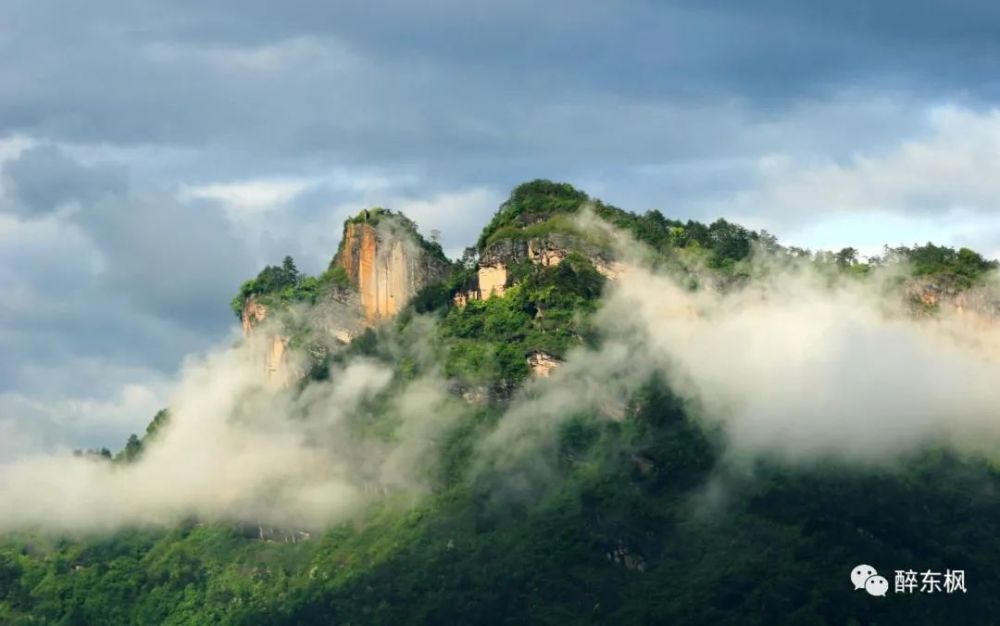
pixel 437 108
pixel 42 178
pixel 451 82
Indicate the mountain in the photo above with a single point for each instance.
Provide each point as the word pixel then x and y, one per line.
pixel 567 473
pixel 387 261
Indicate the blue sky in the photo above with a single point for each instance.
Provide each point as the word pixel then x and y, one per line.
pixel 155 154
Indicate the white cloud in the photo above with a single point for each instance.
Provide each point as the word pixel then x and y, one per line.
pixel 235 448
pixel 11 147
pixel 457 215
pixel 952 167
pixel 51 413
pixel 252 196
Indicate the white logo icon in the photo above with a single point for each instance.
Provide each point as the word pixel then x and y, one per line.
pixel 877 585
pixel 860 574
pixel 865 577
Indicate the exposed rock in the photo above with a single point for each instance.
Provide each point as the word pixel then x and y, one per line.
pixel 271 534
pixel 980 303
pixel 542 363
pixel 612 270
pixel 338 316
pixel 631 560
pixel 492 280
pixel 272 349
pixel 275 360
pixel 253 314
pixel 387 265
pixel 547 251
pixel 477 394
pixel 464 297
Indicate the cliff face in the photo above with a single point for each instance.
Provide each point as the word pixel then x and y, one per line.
pixel 979 304
pixel 387 266
pixel 272 349
pixel 253 314
pixel 334 319
pixel 496 259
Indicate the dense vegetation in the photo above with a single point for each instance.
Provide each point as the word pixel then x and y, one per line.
pixel 629 534
pixel 546 311
pixel 284 284
pixel 964 265
pixel 640 522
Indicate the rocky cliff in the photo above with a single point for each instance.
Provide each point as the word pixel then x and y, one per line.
pixel 977 305
pixel 387 263
pixel 381 264
pixel 334 319
pixel 271 349
pixel 496 259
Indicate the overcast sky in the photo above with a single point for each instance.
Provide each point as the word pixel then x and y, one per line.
pixel 154 154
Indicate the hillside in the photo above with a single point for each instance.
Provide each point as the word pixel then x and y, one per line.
pixel 596 442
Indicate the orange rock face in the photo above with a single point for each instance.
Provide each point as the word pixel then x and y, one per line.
pixel 275 354
pixel 387 266
pixel 253 313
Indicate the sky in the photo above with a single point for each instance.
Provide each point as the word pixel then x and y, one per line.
pixel 153 155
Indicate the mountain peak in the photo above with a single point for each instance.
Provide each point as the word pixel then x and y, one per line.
pixel 387 260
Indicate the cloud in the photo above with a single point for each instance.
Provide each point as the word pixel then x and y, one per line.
pixel 170 256
pixel 794 368
pixel 933 184
pixel 105 287
pixel 471 90
pixel 251 196
pixel 945 170
pixel 60 419
pixel 237 449
pixel 42 178
pixel 179 147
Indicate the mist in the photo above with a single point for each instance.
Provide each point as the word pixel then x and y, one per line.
pixel 237 448
pixel 796 366
pixel 799 365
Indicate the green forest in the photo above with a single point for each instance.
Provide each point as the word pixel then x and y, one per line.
pixel 640 520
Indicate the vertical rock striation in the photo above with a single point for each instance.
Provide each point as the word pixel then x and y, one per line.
pixel 387 265
pixel 273 347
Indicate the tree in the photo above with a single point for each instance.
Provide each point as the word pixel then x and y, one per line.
pixel 470 257
pixel 730 242
pixel 289 271
pixel 847 257
pixel 768 241
pixel 133 448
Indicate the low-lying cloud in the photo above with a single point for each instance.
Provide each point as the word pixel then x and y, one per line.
pixel 238 449
pixel 799 365
pixel 795 368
